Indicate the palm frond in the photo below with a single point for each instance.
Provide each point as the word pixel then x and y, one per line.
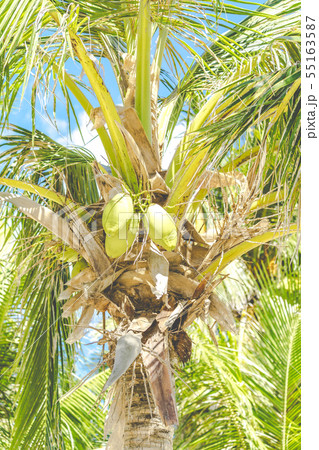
pixel 218 413
pixel 82 419
pixel 232 118
pixel 8 348
pixel 38 159
pixel 247 394
pixel 274 41
pixel 42 361
pixel 275 344
pixel 40 354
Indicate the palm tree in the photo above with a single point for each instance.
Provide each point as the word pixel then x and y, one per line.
pixel 237 162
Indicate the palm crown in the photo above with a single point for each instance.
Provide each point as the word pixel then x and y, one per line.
pixel 239 100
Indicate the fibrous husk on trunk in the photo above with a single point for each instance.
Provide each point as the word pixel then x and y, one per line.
pixel 115 420
pixel 133 420
pixel 155 355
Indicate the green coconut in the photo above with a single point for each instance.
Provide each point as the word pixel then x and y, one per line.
pixel 119 243
pixel 161 227
pixel 117 213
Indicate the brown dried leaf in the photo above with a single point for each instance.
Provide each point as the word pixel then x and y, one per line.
pixel 127 307
pixel 73 233
pixel 102 341
pixel 222 314
pixel 174 315
pixel 201 287
pixel 106 183
pixel 133 278
pixel 97 118
pixel 196 308
pixel 96 255
pixel 72 305
pixel 85 276
pixel 66 293
pixel 210 180
pixel 182 344
pixel 194 235
pixel 80 328
pixel 161 319
pixel 158 185
pixel 47 218
pixel 212 335
pixel 181 285
pixel 173 258
pixel 101 303
pixel 134 126
pixel 121 306
pixel 106 282
pixel 141 324
pixel 128 77
pixel 194 254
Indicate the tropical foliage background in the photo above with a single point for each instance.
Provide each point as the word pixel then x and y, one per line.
pixel 242 393
pixel 235 92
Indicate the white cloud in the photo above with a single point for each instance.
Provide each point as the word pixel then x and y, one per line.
pixel 170 149
pixel 90 140
pixel 62 125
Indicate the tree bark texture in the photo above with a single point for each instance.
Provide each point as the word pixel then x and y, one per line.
pixel 141 426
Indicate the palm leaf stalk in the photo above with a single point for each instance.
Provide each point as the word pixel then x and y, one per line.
pixel 140 254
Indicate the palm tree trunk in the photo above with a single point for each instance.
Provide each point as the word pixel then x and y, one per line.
pixel 142 425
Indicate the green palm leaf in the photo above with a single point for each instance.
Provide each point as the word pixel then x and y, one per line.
pixel 250 402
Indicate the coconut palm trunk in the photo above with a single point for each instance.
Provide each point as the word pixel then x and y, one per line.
pixel 142 426
pixel 147 245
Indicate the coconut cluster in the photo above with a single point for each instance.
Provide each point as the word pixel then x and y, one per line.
pixel 121 225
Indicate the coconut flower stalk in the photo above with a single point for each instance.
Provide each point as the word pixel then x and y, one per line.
pixel 149 246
